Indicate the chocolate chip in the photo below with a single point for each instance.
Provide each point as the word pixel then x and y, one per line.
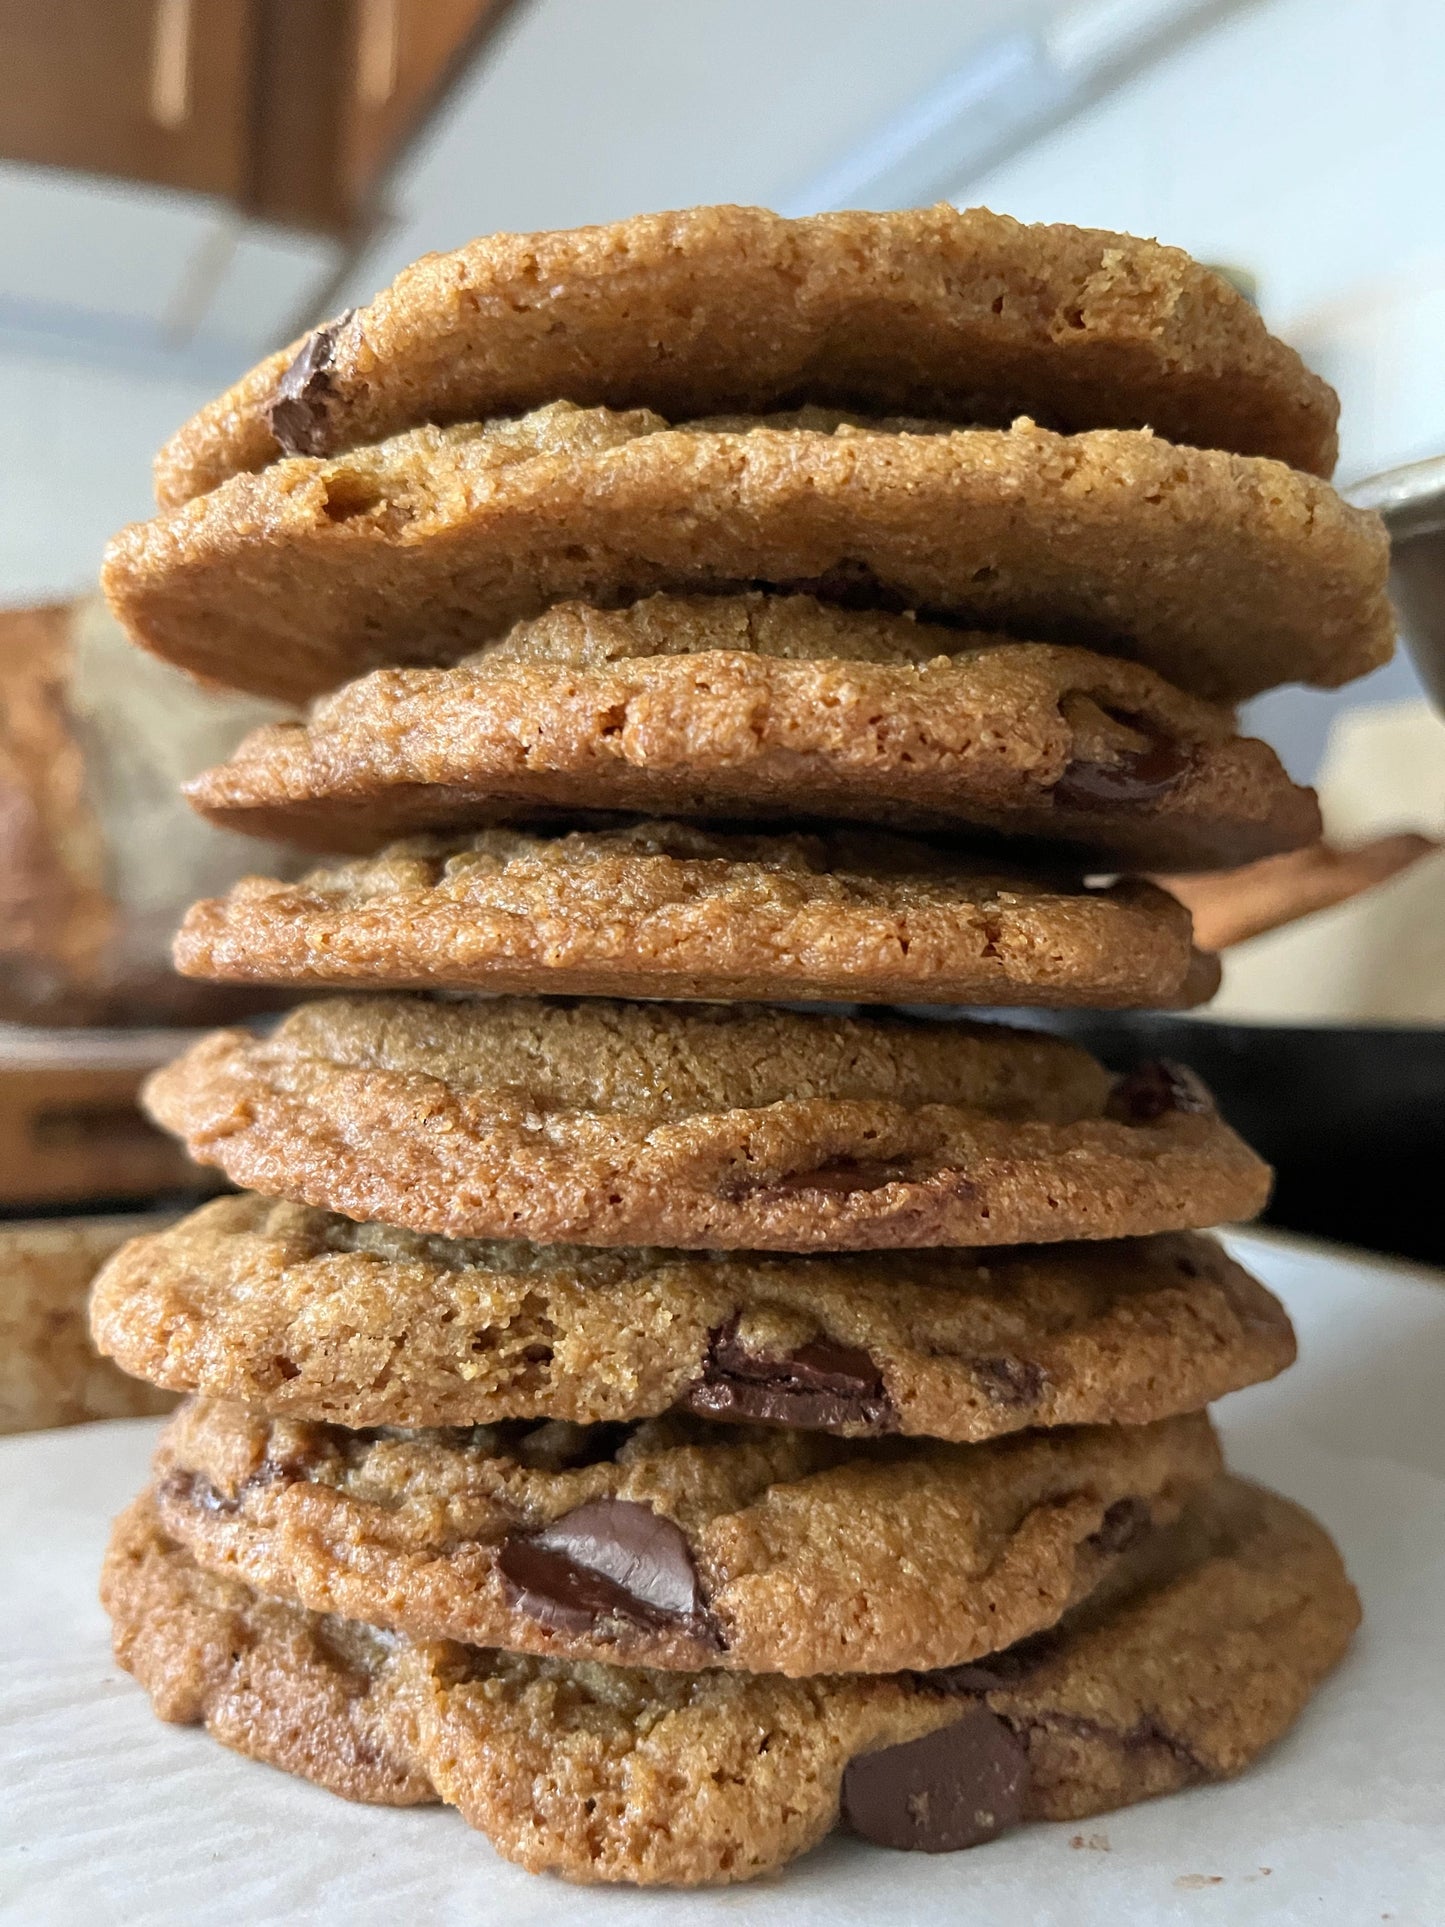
pixel 298 413
pixel 954 1788
pixel 1135 776
pixel 609 1559
pixel 195 1489
pixel 180 1487
pixel 1123 1525
pixel 822 1386
pixel 1153 1090
pixel 1010 1381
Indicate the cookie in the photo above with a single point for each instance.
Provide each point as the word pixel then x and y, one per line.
pixel 307 1315
pixel 299 1691
pixel 1201 1652
pixel 49 1371
pixel 732 1127
pixel 772 708
pixel 968 315
pixel 1227 574
pixel 676 1543
pixel 675 910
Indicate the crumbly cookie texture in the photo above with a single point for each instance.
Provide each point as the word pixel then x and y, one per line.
pixel 677 1543
pixel 1200 1653
pixel 308 1315
pixel 1226 573
pixel 728 1127
pixel 772 708
pixel 50 1373
pixel 964 314
pixel 675 910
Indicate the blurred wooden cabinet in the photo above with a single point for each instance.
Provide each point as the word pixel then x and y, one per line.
pixel 291 109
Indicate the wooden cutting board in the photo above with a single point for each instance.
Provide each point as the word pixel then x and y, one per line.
pixel 71 1130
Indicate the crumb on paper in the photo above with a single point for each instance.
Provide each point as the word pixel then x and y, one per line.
pixel 1094 1842
pixel 1193 1881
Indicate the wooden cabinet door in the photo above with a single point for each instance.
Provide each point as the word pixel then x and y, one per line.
pixel 150 90
pixel 406 53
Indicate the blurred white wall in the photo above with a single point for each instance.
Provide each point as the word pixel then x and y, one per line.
pixel 591 110
pixel 75 446
pixel 1303 140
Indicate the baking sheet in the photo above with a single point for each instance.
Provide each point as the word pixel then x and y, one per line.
pixel 107 1815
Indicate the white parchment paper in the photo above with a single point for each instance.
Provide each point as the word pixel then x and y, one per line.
pixel 107 1816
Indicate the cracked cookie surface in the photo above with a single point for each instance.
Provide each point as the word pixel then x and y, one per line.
pixel 1200 1653
pixel 675 1542
pixel 772 708
pixel 1227 574
pixel 731 1127
pixel 304 1314
pixel 677 911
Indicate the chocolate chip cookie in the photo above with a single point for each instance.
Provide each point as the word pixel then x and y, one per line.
pixel 307 1315
pixel 1198 1654
pixel 716 1126
pixel 772 708
pixel 1227 574
pixel 964 314
pixel 675 1542
pixel 674 910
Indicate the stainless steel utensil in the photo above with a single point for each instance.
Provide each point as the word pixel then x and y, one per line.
pixel 1412 501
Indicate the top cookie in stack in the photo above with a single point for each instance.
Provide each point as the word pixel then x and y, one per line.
pixel 853 602
pixel 773 656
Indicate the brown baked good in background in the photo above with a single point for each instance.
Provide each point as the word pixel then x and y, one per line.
pixel 50 1372
pixel 98 856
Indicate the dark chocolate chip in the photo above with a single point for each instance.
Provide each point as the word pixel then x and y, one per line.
pixel 1136 776
pixel 1010 1381
pixel 298 413
pixel 1123 1525
pixel 190 1488
pixel 823 1386
pixel 195 1489
pixel 954 1788
pixel 609 1559
pixel 1153 1090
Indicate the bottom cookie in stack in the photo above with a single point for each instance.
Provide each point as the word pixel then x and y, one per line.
pixel 978 1565
pixel 1196 1653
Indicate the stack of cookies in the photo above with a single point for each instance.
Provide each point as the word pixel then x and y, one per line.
pixel 652 1412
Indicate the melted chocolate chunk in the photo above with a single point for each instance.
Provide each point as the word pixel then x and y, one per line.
pixel 822 1386
pixel 298 413
pixel 1010 1381
pixel 609 1559
pixel 1135 776
pixel 1153 1090
pixel 955 1788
